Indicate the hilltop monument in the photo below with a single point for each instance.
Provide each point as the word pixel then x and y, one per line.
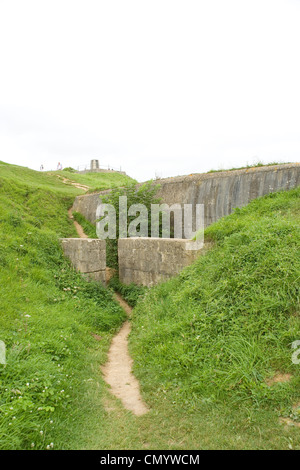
pixel 94 165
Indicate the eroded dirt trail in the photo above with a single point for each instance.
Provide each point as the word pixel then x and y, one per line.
pixel 73 183
pixel 117 371
pixel 78 227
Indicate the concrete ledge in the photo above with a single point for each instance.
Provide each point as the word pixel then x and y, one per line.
pixel 87 255
pixel 147 261
pixel 220 192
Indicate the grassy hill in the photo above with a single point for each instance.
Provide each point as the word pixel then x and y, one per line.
pixel 48 315
pixel 221 332
pixel 53 180
pixel 211 347
pixel 94 181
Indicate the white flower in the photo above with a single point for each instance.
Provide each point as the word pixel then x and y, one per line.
pixel 32 444
pixel 41 433
pixel 27 316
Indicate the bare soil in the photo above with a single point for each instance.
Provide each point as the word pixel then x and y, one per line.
pixel 78 227
pixel 278 378
pixel 118 374
pixel 73 183
pixel 117 371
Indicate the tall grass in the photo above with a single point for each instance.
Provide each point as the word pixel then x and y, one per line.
pixel 221 328
pixel 49 316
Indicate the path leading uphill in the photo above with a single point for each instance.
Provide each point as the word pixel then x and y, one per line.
pixel 78 227
pixel 117 371
pixel 73 183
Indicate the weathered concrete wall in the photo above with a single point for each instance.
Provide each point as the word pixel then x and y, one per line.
pixel 147 261
pixel 88 256
pixel 223 191
pixel 87 205
pixel 220 192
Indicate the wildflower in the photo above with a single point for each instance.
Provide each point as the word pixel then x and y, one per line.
pixel 27 316
pixel 32 444
pixel 41 433
pixel 51 444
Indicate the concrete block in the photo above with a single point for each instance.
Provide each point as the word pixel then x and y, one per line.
pixel 147 261
pixel 87 255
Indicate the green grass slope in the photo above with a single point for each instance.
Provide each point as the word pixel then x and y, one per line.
pixel 225 326
pixel 53 180
pixel 95 181
pixel 48 317
pixel 204 344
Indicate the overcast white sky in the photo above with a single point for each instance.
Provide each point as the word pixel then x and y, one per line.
pixel 167 87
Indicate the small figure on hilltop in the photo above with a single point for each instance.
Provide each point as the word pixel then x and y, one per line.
pixel 42 167
pixel 59 166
